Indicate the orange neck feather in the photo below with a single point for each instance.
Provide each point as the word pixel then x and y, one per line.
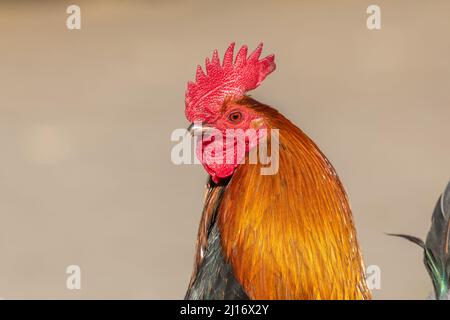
pixel 291 235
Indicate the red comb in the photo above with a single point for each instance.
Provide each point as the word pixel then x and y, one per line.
pixel 205 96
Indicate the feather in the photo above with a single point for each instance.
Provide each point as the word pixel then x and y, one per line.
pixel 213 277
pixel 291 235
pixel 437 257
pixel 285 236
pixel 436 247
pixel 413 239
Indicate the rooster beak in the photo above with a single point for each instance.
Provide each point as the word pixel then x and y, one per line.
pixel 199 128
pixel 190 129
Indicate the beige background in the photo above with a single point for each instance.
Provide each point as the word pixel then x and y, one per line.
pixel 86 117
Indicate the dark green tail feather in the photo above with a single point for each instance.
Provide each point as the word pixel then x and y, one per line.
pixel 437 247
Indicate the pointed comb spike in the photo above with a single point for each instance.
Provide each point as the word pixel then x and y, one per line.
pixel 254 56
pixel 228 56
pixel 241 56
pixel 199 74
pixel 268 62
pixel 215 59
pixel 208 66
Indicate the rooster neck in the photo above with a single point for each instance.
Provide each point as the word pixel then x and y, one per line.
pixel 291 235
pixel 213 277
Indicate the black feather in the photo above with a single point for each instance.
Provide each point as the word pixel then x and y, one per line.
pixel 437 246
pixel 437 253
pixel 214 278
pixel 413 239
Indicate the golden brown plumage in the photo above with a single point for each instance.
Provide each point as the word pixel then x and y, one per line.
pixel 288 235
pixel 291 235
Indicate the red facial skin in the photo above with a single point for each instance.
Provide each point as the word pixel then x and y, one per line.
pixel 233 117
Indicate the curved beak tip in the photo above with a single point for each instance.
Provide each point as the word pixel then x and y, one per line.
pixel 190 130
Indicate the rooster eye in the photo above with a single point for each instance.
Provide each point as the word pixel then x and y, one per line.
pixel 235 117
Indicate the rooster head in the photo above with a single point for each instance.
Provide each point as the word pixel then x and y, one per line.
pixel 217 108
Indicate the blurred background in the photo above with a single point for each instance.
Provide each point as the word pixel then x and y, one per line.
pixel 86 117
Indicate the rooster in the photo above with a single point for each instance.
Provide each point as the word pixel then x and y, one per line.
pixel 288 235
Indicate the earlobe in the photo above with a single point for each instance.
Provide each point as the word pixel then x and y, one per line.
pixel 257 123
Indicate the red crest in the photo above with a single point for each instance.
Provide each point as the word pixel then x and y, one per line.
pixel 205 96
